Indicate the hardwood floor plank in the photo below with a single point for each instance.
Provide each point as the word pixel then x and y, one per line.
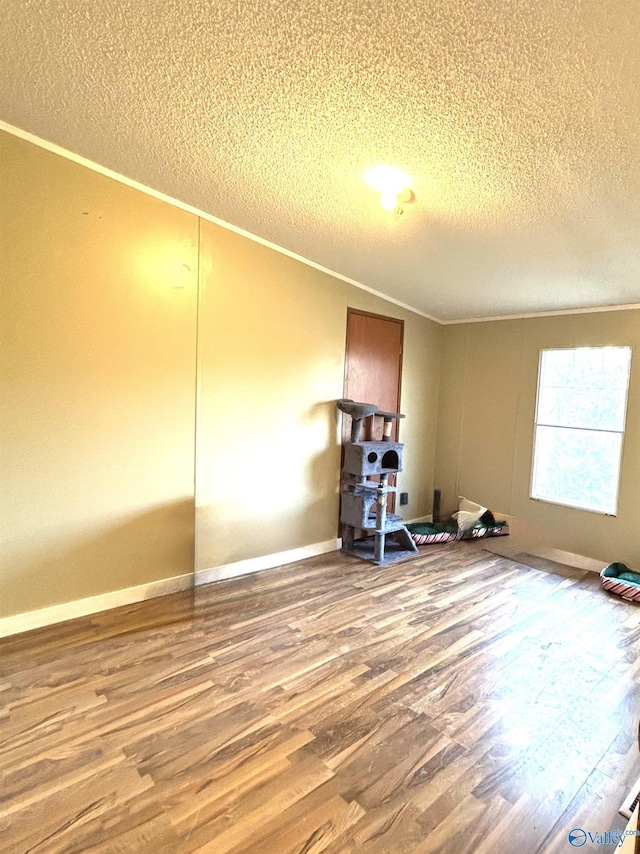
pixel 461 703
pixel 590 810
pixel 46 824
pixel 311 833
pixel 240 772
pixel 451 834
pixel 387 829
pixel 230 829
pixel 45 777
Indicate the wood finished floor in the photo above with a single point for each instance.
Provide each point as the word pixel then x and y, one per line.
pixel 457 703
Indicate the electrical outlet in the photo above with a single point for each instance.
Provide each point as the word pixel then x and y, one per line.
pixel 404 498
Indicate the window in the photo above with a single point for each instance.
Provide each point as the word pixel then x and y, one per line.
pixel 580 416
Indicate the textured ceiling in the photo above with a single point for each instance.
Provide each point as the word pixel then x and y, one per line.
pixel 519 123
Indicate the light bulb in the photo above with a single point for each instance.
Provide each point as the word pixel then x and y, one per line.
pixel 389 200
pixel 387 178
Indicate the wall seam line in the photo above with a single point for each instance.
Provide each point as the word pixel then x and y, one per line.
pixel 514 449
pixel 461 420
pixel 197 393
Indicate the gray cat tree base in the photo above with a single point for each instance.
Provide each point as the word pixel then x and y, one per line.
pixel 364 501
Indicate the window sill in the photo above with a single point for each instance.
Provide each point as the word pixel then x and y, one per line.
pixel 595 510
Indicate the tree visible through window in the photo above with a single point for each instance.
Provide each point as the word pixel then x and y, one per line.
pixel 580 418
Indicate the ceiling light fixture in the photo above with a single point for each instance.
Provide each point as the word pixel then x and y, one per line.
pixel 393 184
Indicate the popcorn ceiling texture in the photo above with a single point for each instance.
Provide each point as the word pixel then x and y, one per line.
pixel 519 123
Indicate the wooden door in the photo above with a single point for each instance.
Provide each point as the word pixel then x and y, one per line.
pixel 373 372
pixel 373 365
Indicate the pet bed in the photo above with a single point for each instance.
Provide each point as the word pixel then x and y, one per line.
pixel 619 579
pixel 425 533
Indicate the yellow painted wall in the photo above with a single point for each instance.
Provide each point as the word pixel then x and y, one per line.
pixel 272 343
pixel 98 388
pixel 485 427
pixel 97 383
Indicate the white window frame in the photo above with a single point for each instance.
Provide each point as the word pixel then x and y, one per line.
pixel 621 433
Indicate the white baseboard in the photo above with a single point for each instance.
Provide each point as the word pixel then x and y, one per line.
pixel 257 564
pixel 93 604
pixel 130 595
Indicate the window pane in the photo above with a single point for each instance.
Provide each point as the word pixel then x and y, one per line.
pixel 584 387
pixel 577 467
